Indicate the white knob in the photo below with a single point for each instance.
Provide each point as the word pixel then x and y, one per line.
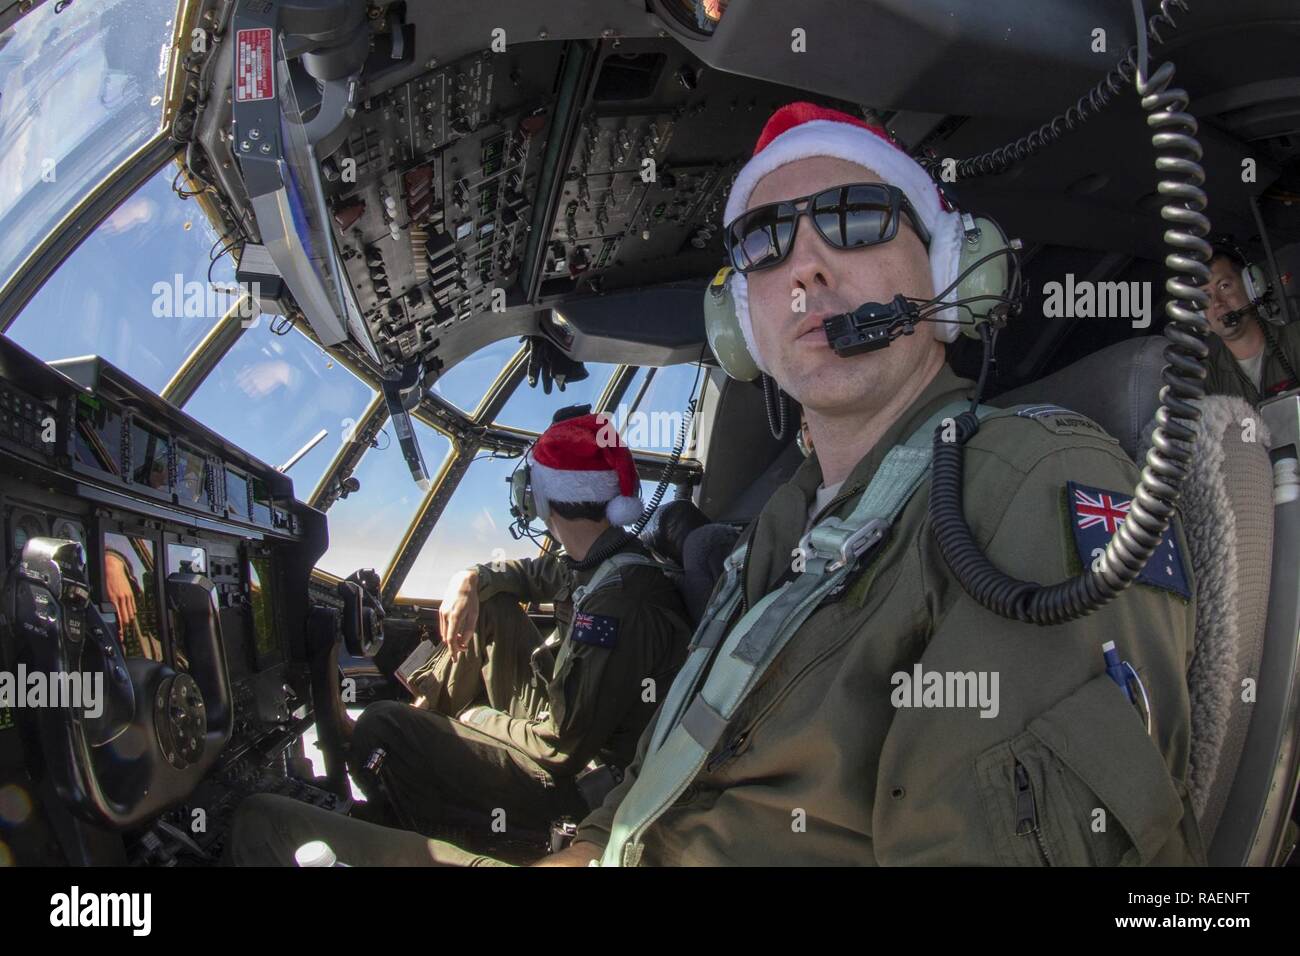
pixel 315 853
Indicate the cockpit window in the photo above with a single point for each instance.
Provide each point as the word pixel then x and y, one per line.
pixel 473 529
pixel 83 87
pixel 652 419
pixel 466 382
pixel 271 394
pixel 532 409
pixel 136 291
pixel 367 526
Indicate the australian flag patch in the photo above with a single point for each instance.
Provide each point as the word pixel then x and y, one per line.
pixel 1096 514
pixel 596 630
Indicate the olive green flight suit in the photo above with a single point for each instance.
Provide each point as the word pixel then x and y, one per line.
pixel 819 765
pixel 532 734
pixel 1278 375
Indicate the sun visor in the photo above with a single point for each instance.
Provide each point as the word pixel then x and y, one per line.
pixel 278 151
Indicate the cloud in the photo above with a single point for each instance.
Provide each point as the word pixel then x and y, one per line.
pixel 259 380
pixel 134 212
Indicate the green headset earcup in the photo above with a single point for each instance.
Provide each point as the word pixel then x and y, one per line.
pixel 521 495
pixel 722 326
pixel 988 279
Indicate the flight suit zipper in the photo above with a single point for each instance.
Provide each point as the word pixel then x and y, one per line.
pixel 744 576
pixel 735 745
pixel 727 752
pixel 1027 812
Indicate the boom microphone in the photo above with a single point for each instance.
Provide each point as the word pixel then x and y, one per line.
pixel 872 325
pixel 1230 319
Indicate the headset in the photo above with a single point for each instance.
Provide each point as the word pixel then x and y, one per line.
pixel 524 505
pixel 1255 280
pixel 987 288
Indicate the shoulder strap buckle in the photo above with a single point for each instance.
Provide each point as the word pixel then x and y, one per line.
pixel 836 543
pixel 859 542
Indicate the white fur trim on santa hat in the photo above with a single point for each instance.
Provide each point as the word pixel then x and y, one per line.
pixel 564 485
pixel 624 510
pixel 856 145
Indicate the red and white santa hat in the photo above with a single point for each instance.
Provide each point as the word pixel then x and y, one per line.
pixel 584 459
pixel 800 130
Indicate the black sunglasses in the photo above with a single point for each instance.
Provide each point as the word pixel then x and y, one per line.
pixel 846 217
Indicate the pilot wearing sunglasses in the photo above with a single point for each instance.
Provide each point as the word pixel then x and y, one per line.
pixel 857 745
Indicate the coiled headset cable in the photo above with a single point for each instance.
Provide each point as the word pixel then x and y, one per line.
pixel 1160 485
pixel 678 448
pixel 1120 77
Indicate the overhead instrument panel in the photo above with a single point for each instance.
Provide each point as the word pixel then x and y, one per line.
pixel 534 175
pixel 511 179
pixel 657 142
pixel 431 193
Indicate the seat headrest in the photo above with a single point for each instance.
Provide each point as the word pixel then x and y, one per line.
pixel 1118 388
pixel 671 523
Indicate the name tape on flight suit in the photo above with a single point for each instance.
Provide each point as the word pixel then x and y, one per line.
pixel 595 630
pixel 1062 421
pixel 1096 514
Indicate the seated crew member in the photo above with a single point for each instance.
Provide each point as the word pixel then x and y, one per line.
pixel 1250 358
pixel 826 761
pixel 503 732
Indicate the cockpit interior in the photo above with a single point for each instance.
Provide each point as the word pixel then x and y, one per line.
pixel 288 287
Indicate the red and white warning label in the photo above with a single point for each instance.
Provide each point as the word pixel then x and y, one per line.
pixel 254 79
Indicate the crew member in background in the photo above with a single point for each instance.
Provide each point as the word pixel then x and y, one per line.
pixel 510 723
pixel 1250 358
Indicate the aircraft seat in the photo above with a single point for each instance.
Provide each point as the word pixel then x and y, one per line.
pixel 1241 568
pixel 681 533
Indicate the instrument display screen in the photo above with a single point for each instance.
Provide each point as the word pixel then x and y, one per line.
pixel 263 604
pixel 98 440
pixel 237 493
pixel 191 476
pixel 149 457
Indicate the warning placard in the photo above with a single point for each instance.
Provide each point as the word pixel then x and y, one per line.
pixel 254 78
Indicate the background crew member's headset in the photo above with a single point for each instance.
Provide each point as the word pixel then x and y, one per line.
pixel 988 299
pixel 523 505
pixel 1255 280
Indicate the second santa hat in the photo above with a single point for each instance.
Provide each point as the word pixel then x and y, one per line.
pixel 583 459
